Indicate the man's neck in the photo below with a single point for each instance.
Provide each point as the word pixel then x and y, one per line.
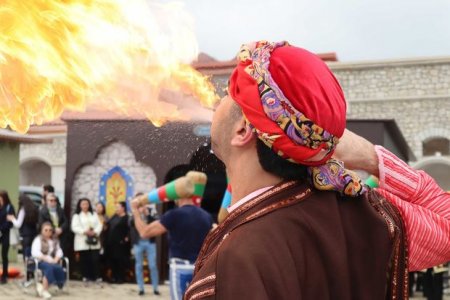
pixel 246 176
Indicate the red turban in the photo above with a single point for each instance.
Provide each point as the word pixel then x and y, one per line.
pixel 310 87
pixel 297 107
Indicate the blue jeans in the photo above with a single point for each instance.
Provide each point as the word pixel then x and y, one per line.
pixel 139 249
pixel 181 273
pixel 53 272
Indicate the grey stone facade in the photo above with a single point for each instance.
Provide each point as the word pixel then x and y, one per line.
pixel 416 93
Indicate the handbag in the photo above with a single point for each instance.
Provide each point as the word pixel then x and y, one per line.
pixel 14 236
pixel 92 240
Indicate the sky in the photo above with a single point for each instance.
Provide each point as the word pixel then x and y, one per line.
pixel 355 30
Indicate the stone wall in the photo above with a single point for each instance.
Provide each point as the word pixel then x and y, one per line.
pixel 51 153
pixel 87 179
pixel 395 79
pixel 416 93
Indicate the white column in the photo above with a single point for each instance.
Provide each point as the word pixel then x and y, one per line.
pixel 58 180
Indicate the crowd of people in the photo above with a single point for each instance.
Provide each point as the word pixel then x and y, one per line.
pixel 102 245
pixel 300 224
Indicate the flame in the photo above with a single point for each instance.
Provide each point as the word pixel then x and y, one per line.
pixel 58 55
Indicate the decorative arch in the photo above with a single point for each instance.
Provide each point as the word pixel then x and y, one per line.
pixel 116 167
pixel 115 186
pixel 35 172
pixel 431 160
pixel 28 158
pixel 437 167
pixel 428 134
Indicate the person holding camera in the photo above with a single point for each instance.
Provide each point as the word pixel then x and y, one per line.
pixel 87 228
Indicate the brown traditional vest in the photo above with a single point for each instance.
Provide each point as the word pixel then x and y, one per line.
pixel 293 242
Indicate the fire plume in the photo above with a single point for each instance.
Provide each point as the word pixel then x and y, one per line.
pixel 58 55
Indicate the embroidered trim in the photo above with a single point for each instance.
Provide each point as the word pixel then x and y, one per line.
pixel 279 204
pixel 203 294
pixel 197 283
pixel 211 237
pixel 398 266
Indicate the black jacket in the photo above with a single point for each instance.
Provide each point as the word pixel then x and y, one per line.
pixel 63 223
pixel 134 234
pixel 5 225
pixel 117 243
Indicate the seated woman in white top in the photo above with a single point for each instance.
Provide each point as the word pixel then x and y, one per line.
pixel 47 250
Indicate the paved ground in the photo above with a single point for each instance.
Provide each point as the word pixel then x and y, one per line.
pixel 77 291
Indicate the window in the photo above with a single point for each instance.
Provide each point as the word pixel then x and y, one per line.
pixel 436 145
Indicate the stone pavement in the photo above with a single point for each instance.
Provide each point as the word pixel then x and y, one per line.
pixel 77 291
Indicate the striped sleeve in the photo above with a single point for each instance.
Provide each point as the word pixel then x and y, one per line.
pixel 424 206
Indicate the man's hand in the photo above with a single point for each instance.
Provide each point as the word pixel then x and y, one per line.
pixel 58 231
pixel 10 218
pixel 137 202
pixel 357 153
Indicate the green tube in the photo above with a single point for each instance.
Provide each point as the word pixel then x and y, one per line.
pixel 372 181
pixel 199 189
pixel 171 191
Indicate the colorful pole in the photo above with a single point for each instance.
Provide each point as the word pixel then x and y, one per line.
pixel 226 200
pixel 372 181
pixel 199 179
pixel 190 186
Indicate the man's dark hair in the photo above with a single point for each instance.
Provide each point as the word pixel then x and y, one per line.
pixel 31 210
pixel 269 160
pixel 49 188
pixel 278 166
pixel 123 204
pixel 78 207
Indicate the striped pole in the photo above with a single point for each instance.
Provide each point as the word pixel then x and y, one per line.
pixel 190 186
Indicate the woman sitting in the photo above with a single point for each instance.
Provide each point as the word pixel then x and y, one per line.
pixel 47 250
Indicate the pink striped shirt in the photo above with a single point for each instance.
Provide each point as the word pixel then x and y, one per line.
pixel 424 206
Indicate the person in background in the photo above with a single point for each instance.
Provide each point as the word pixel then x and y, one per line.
pixel 47 250
pixel 117 243
pixel 54 214
pixel 26 222
pixel 46 189
pixel 143 246
pixel 6 208
pixel 103 219
pixel 187 226
pixel 87 229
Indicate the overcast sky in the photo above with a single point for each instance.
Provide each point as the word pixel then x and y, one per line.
pixel 354 29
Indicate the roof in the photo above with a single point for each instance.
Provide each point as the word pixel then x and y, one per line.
pixel 210 66
pixel 7 135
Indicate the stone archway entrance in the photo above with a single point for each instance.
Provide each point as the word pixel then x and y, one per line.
pixel 35 172
pixel 438 168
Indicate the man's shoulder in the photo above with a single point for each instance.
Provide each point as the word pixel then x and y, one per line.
pixel 43 211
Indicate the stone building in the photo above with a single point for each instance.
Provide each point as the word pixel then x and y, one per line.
pixel 413 92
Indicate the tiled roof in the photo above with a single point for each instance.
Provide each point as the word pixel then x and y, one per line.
pixel 7 135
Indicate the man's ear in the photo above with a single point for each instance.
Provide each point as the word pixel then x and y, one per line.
pixel 242 134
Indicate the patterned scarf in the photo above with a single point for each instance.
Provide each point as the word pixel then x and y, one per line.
pixel 329 176
pixel 45 247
